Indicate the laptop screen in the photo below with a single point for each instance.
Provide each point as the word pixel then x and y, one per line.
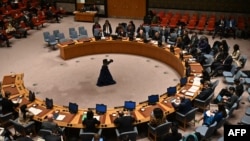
pixel 49 103
pixel 171 91
pixel 73 108
pixel 153 99
pixel 130 105
pixel 101 108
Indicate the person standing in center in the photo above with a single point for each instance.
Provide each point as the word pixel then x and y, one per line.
pixel 105 77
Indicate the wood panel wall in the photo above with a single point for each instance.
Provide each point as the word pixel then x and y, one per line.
pixel 232 6
pixel 135 9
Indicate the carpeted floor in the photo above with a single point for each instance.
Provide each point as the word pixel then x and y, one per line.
pixel 75 80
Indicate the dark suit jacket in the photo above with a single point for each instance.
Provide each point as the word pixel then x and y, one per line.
pixel 184 107
pixel 90 124
pixel 52 138
pixel 231 101
pixel 204 94
pixel 124 123
pixel 8 106
pixel 51 126
pixel 239 89
pixel 105 28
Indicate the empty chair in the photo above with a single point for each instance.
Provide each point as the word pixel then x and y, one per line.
pixel 220 123
pixel 231 72
pixel 55 33
pixel 61 37
pixel 186 118
pixel 52 41
pixel 74 35
pixel 88 135
pixel 155 132
pixel 206 131
pixel 46 35
pixel 83 31
pixel 71 29
pixel 131 135
pixel 238 75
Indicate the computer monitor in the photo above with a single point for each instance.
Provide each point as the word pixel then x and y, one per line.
pixel 101 108
pixel 32 96
pixel 129 105
pixel 73 108
pixel 153 99
pixel 171 91
pixel 183 81
pixel 49 103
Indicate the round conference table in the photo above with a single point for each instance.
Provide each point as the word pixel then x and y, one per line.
pixel 75 48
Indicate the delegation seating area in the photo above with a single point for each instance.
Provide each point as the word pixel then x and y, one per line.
pixel 25 15
pixel 201 22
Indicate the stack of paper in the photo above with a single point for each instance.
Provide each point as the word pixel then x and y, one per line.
pixel 97 117
pixel 189 93
pixel 197 81
pixel 193 89
pixel 35 111
pixel 60 117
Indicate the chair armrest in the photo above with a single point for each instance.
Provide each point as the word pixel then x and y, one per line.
pixel 180 114
pixel 6 115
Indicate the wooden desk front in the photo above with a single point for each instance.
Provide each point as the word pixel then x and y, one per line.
pixel 85 16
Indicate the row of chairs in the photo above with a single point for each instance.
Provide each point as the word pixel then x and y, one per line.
pixel 58 37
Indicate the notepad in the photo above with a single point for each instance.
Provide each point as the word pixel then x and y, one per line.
pixel 193 89
pixel 97 117
pixel 35 111
pixel 60 117
pixel 189 94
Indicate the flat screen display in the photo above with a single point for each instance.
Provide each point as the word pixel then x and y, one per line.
pixel 183 81
pixel 171 91
pixel 130 105
pixel 153 99
pixel 49 103
pixel 101 108
pixel 73 108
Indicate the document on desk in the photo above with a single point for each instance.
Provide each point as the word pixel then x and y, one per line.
pixel 35 111
pixel 189 93
pixel 197 81
pixel 60 117
pixel 97 117
pixel 193 89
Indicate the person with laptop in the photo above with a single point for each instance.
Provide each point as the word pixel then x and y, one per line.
pixel 124 122
pixel 225 92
